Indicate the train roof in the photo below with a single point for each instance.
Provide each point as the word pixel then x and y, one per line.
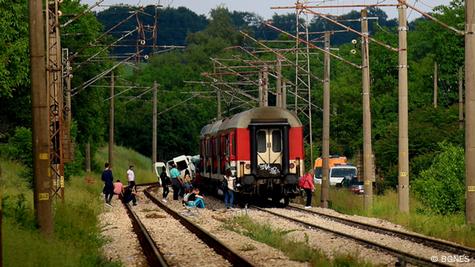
pixel 256 115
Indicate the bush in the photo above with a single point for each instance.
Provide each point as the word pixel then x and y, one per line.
pixel 19 148
pixel 441 187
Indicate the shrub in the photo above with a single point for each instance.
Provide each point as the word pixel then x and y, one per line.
pixel 441 187
pixel 19 148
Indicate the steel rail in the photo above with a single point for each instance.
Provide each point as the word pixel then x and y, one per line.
pixel 152 253
pixel 457 249
pixel 227 253
pixel 407 257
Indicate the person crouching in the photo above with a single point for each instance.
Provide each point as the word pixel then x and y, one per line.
pixel 194 199
pixel 129 195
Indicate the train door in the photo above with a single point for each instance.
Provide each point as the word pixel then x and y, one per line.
pixel 269 151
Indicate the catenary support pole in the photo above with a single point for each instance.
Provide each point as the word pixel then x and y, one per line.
pixel 470 109
pixel 154 124
pixel 111 121
pixel 40 114
pixel 403 174
pixel 461 119
pixel 278 82
pixel 367 145
pixel 436 89
pixel 326 125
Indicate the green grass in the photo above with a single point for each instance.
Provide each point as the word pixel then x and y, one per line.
pixel 449 227
pixel 295 250
pixel 123 157
pixel 76 240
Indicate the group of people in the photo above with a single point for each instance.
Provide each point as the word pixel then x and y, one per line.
pixel 111 188
pixel 184 187
pixel 188 189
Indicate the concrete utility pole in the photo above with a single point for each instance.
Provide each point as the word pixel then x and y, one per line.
pixel 326 125
pixel 470 109
pixel 218 94
pixel 111 121
pixel 461 98
pixel 436 89
pixel 403 175
pixel 154 124
pixel 263 87
pixel 284 94
pixel 367 146
pixel 278 82
pixel 40 114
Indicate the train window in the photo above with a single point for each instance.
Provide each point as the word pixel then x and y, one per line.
pixel 226 145
pixel 276 141
pixel 261 141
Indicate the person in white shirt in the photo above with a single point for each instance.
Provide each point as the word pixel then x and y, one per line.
pixel 131 177
pixel 228 188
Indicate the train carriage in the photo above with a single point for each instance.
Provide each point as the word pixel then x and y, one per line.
pixel 262 146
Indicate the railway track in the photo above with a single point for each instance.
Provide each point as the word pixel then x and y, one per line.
pixel 417 238
pixel 402 256
pixel 151 249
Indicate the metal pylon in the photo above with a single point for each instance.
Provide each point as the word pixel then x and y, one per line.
pixel 55 101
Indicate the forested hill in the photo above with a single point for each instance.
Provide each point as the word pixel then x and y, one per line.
pixel 175 24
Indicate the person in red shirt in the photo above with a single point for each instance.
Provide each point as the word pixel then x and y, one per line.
pixel 306 183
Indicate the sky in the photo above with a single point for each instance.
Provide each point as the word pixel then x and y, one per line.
pixel 262 7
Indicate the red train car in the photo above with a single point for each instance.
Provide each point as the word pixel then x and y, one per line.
pixel 262 146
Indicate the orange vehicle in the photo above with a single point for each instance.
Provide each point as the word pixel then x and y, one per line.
pixel 334 161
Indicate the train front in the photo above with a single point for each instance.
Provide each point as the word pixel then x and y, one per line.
pixel 269 154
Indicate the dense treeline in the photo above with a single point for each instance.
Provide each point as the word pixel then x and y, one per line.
pixel 209 37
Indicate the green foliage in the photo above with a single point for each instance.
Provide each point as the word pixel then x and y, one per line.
pixel 19 148
pixel 14 61
pixel 76 241
pixel 17 208
pixel 441 188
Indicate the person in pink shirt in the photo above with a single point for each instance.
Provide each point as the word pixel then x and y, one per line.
pixel 306 183
pixel 118 186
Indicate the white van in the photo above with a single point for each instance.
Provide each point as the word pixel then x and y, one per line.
pixel 338 173
pixel 183 163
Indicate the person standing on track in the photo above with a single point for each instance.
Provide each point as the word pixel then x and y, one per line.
pixel 131 177
pixel 165 183
pixel 306 183
pixel 229 189
pixel 108 179
pixel 176 184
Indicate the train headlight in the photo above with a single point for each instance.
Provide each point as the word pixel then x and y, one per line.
pixel 248 166
pixel 292 165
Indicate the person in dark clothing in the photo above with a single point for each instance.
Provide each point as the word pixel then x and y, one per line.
pixel 166 182
pixel 108 179
pixel 129 195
